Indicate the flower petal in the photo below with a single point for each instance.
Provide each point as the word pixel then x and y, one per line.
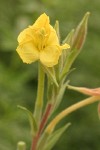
pixel 53 39
pixel 25 36
pixel 40 41
pixel 28 52
pixel 50 55
pixel 42 21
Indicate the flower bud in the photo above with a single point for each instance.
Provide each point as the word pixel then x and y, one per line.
pixel 86 91
pixel 80 33
pixel 21 145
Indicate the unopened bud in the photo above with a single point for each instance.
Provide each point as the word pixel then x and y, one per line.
pixel 21 145
pixel 80 33
pixel 86 91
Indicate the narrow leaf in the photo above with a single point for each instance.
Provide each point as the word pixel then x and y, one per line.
pixel 42 141
pixel 59 97
pixel 31 119
pixel 51 74
pixel 54 137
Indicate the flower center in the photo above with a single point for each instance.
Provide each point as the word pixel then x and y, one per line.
pixel 41 38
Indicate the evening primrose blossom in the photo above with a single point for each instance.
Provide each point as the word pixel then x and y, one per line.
pixel 40 42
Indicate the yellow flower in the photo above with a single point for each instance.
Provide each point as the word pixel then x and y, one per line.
pixel 40 42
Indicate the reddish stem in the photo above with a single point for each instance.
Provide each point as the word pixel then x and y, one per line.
pixel 45 118
pixel 34 142
pixel 42 125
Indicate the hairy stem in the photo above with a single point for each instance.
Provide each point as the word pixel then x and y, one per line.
pixel 40 94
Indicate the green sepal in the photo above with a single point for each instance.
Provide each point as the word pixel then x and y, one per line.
pixel 54 137
pixel 31 119
pixel 69 38
pixel 56 27
pixel 51 74
pixel 69 61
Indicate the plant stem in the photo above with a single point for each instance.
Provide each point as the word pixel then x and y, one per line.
pixel 45 117
pixel 69 110
pixel 40 94
pixel 38 103
pixel 42 124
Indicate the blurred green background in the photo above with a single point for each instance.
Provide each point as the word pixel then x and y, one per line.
pixel 18 81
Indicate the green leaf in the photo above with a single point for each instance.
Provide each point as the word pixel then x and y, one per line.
pixel 31 119
pixel 59 97
pixel 51 74
pixel 54 137
pixel 42 141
